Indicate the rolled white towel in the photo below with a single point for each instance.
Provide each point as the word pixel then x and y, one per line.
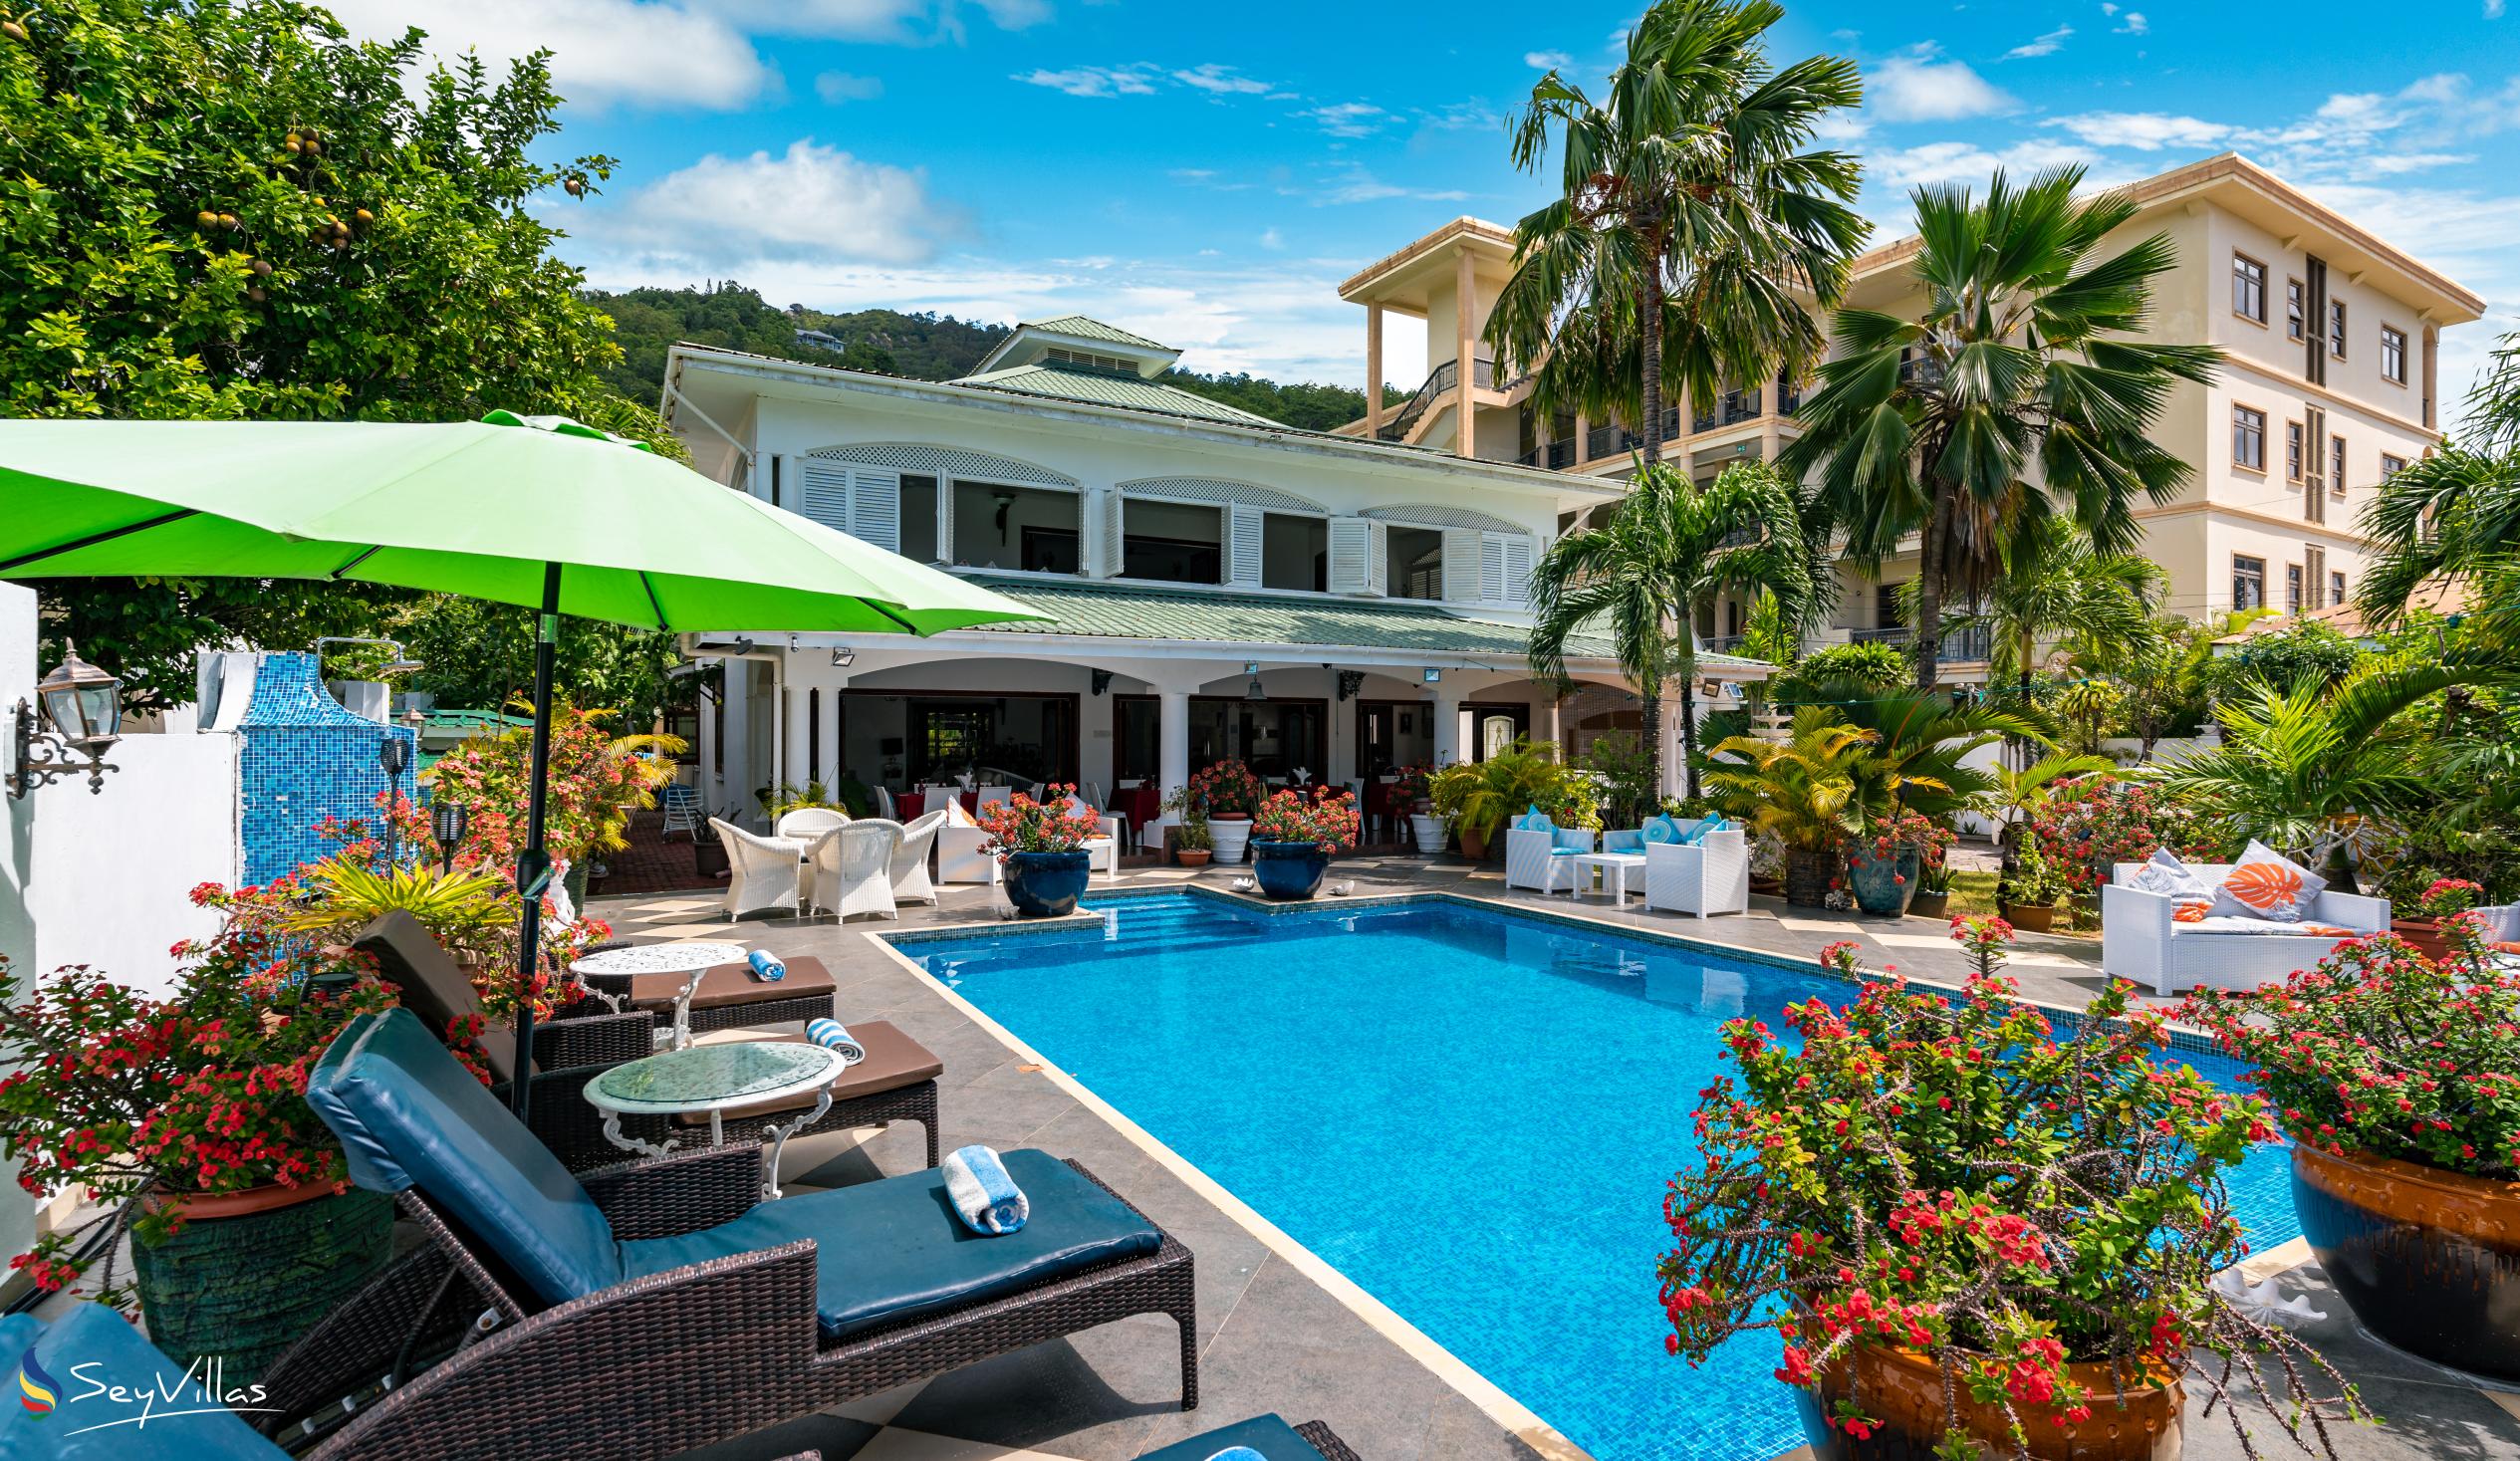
pixel 835 1036
pixel 984 1196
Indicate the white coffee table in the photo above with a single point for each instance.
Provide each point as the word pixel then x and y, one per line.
pixel 691 959
pixel 714 1078
pixel 1612 870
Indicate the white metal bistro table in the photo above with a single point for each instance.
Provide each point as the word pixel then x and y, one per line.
pixel 713 1079
pixel 1609 869
pixel 690 959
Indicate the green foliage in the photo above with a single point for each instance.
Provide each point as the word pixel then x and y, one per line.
pixel 2159 669
pixel 1806 791
pixel 1867 665
pixel 1630 781
pixel 1478 797
pixel 1309 407
pixel 471 913
pixel 480 655
pixel 232 210
pixel 2455 513
pixel 732 315
pixel 2308 653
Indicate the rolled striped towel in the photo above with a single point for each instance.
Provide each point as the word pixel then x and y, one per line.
pixel 834 1036
pixel 984 1196
pixel 766 966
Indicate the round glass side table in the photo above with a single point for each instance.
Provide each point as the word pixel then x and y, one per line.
pixel 711 1080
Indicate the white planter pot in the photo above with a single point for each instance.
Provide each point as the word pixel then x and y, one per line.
pixel 1428 831
pixel 1230 839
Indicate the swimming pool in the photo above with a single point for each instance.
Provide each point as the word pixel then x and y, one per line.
pixel 1471 1113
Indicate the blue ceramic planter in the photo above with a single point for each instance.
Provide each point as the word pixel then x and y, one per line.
pixel 1047 884
pixel 1288 873
pixel 1884 884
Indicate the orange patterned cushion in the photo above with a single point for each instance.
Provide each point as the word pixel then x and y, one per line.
pixel 2266 884
pixel 2504 947
pixel 2193 911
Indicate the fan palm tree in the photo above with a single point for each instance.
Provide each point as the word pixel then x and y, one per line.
pixel 1666 550
pixel 1920 757
pixel 2055 587
pixel 2019 366
pixel 1693 237
pixel 2457 512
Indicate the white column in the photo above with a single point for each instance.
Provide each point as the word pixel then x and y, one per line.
pixel 797 742
pixel 1672 768
pixel 1173 743
pixel 1447 724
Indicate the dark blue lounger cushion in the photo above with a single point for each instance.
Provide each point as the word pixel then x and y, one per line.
pixel 1268 1435
pixel 894 1249
pixel 89 1347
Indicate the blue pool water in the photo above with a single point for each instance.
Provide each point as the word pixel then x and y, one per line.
pixel 1472 1113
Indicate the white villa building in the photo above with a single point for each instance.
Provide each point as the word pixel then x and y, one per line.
pixel 1213 583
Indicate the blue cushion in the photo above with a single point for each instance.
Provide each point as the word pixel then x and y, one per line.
pixel 91 1345
pixel 1534 820
pixel 1662 830
pixel 409 1115
pixel 1696 833
pixel 1266 1434
pixel 894 1249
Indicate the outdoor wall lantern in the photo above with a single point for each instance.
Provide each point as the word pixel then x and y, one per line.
pixel 1431 676
pixel 83 706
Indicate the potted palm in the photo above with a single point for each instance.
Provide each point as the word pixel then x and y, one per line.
pixel 1295 836
pixel 185 1119
pixel 1805 792
pixel 1230 794
pixel 1189 839
pixel 1040 848
pixel 1933 888
pixel 2399 1078
pixel 1475 798
pixel 1971 1239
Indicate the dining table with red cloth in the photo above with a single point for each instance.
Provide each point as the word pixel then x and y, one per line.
pixel 1141 805
pixel 913 805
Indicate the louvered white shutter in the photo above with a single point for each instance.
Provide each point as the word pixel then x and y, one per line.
pixel 1356 553
pixel 1492 567
pixel 1518 553
pixel 823 493
pixel 1464 554
pixel 874 507
pixel 1114 534
pixel 1242 545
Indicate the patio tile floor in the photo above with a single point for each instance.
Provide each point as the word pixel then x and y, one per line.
pixel 1275 1336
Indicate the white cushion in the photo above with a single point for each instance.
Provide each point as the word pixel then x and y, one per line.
pixel 2266 884
pixel 2167 875
pixel 2228 924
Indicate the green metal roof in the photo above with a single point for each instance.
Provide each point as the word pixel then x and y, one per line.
pixel 1085 329
pixel 1104 387
pixel 1215 616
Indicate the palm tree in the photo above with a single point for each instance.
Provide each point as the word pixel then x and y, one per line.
pixel 2019 364
pixel 1668 549
pixel 1806 791
pixel 2055 587
pixel 1693 238
pixel 1921 743
pixel 2457 512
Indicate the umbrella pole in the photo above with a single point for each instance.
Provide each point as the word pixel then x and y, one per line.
pixel 533 866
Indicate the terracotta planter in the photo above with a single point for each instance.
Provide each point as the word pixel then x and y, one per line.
pixel 250 1272
pixel 2423 933
pixel 1930 905
pixel 1807 878
pixel 1473 845
pixel 1904 1391
pixel 1768 888
pixel 1192 856
pixel 2427 1259
pixel 708 859
pixel 2029 917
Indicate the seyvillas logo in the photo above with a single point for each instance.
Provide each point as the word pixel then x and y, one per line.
pixel 102 1404
pixel 37 1391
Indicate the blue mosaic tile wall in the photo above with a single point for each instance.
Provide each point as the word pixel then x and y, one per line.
pixel 304 757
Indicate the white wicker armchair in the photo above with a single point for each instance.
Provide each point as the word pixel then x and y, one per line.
pixel 852 869
pixel 808 822
pixel 2142 939
pixel 1105 849
pixel 1540 858
pixel 911 883
pixel 762 872
pixel 1706 876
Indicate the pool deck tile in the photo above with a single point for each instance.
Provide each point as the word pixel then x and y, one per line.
pixel 1275 1331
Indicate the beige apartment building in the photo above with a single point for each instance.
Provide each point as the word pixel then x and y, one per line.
pixel 2332 336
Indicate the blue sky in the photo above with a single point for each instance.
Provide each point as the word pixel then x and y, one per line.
pixel 1206 174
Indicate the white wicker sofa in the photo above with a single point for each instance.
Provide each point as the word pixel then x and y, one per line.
pixel 2140 938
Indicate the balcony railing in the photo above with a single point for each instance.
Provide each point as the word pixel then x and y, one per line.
pixel 1889 635
pixel 1439 383
pixel 1975 644
pixel 1556 456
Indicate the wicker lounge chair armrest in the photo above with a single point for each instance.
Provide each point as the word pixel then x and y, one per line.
pixel 669 1195
pixel 595 1040
pixel 410 1312
pixel 1324 1440
pixel 691 1341
pixel 2364 915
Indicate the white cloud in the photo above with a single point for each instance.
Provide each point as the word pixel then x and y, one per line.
pixel 1221 81
pixel 836 86
pixel 1935 162
pixel 1093 81
pixel 1349 119
pixel 2046 45
pixel 1916 85
pixel 604 51
pixel 2493 9
pixel 2144 132
pixel 2134 24
pixel 1272 240
pixel 1547 60
pixel 1357 185
pixel 812 202
pixel 1841 127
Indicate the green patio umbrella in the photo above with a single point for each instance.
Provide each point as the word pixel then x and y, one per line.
pixel 537 511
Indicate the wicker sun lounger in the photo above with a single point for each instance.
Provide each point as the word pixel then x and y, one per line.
pixel 661 1306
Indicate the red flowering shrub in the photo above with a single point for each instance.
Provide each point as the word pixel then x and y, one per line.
pixel 1227 789
pixel 2097 821
pixel 1845 958
pixel 2446 895
pixel 1021 824
pixel 2381 1051
pixel 1325 817
pixel 1945 1176
pixel 201 1092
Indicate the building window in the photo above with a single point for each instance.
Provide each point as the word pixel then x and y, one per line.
pixel 2336 466
pixel 2393 355
pixel 2292 588
pixel 2248 439
pixel 2293 309
pixel 1885 614
pixel 2336 588
pixel 2292 451
pixel 2391 466
pixel 2248 288
pixel 2248 583
pixel 2336 329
